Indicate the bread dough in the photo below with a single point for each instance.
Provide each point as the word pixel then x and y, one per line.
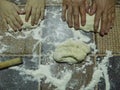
pixel 89 24
pixel 26 25
pixel 71 51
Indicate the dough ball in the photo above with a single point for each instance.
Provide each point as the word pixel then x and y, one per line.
pixel 71 51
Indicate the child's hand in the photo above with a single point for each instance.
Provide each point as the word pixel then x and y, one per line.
pixel 9 14
pixel 35 9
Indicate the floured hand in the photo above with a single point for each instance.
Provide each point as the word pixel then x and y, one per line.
pixel 35 9
pixel 10 15
pixel 104 11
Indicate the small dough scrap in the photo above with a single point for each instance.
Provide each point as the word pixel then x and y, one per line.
pixel 89 24
pixel 26 25
pixel 71 51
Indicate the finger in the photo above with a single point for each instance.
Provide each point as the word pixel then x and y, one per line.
pixel 28 12
pixel 76 18
pixel 108 26
pixel 42 13
pixel 69 17
pixel 83 16
pixel 5 25
pixel 87 6
pixel 64 9
pixel 19 20
pixel 37 15
pixel 104 23
pixel 93 8
pixel 14 21
pixel 33 15
pixel 113 19
pixel 11 24
pixel 97 20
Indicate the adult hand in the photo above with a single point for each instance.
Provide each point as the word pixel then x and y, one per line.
pixel 9 14
pixel 104 11
pixel 35 9
pixel 73 12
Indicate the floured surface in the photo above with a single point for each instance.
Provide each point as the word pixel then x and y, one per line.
pixel 52 32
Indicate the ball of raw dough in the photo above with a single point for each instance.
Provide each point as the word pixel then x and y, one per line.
pixel 71 51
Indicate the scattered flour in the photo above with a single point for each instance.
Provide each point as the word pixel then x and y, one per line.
pixel 100 71
pixel 44 72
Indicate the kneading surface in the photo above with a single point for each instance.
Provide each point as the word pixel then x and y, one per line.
pixel 71 51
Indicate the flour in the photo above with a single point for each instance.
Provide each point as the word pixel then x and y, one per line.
pixel 44 72
pixel 100 71
pixel 80 36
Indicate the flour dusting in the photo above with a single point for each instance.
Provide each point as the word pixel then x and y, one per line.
pixel 56 35
pixel 44 72
pixel 100 71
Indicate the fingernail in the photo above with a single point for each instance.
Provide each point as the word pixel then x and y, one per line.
pixel 15 30
pixel 102 34
pixel 21 24
pixel 83 24
pixel 20 29
pixel 111 27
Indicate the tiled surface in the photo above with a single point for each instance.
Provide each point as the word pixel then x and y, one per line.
pixel 114 74
pixel 12 80
pixel 18 46
pixel 56 32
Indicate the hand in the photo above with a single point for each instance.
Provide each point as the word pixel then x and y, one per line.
pixel 35 9
pixel 9 14
pixel 104 11
pixel 73 11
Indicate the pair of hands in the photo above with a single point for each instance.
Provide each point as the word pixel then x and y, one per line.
pixel 74 13
pixel 10 13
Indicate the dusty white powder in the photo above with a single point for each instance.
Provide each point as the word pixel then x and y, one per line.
pixel 100 71
pixel 80 36
pixel 44 71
